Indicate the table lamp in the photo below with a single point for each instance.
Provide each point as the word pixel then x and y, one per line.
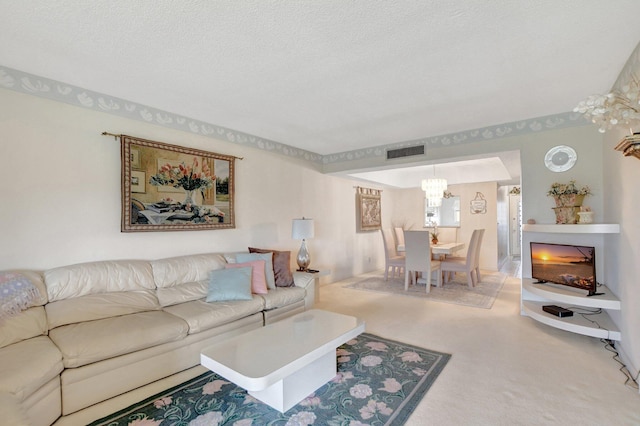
pixel 301 230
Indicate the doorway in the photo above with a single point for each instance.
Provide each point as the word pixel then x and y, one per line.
pixel 515 222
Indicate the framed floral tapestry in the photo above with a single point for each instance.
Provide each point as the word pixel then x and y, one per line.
pixel 172 188
pixel 368 209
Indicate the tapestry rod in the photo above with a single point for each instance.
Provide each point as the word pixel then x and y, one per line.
pixel 117 136
pixel 111 134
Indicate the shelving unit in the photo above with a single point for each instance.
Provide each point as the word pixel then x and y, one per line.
pixel 578 228
pixel 598 325
pixel 535 296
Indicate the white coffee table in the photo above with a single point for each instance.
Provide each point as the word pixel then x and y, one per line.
pixel 284 362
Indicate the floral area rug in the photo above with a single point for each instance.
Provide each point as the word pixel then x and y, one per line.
pixel 379 382
pixel 456 291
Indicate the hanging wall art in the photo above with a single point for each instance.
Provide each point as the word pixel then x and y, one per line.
pixel 172 188
pixel 368 209
pixel 478 204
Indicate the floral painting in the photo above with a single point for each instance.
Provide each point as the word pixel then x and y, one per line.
pixel 182 188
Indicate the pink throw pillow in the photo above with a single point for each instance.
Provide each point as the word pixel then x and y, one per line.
pixel 258 279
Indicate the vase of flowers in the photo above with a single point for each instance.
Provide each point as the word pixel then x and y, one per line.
pixel 434 236
pixel 568 198
pixel 188 178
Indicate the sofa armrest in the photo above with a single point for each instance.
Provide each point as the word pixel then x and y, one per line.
pixel 308 282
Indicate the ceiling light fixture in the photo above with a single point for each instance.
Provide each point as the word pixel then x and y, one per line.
pixel 434 189
pixel 618 107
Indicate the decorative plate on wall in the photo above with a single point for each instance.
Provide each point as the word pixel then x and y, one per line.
pixel 560 158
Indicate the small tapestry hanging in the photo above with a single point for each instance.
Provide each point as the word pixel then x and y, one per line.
pixel 368 209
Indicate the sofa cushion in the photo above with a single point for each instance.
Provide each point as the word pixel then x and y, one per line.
pixel 201 315
pixel 98 277
pixel 258 280
pixel 182 293
pixel 27 324
pixel 283 296
pixel 184 278
pixel 28 365
pixel 12 411
pixel 97 306
pixel 281 266
pixel 92 341
pixel 230 284
pixel 174 271
pixel 268 264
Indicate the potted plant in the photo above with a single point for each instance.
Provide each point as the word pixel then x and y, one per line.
pixel 568 194
pixel 434 236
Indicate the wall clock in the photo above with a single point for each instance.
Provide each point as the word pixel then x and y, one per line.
pixel 560 158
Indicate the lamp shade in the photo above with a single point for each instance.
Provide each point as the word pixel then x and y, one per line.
pixel 302 229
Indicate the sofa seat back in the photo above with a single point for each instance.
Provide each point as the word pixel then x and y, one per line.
pixel 184 278
pixel 97 290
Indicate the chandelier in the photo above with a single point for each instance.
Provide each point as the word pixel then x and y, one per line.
pixel 618 107
pixel 434 189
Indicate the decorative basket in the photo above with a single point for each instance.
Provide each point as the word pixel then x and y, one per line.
pixel 565 215
pixel 569 200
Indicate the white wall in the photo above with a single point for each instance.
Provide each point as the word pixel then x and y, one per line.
pixel 60 196
pixel 622 196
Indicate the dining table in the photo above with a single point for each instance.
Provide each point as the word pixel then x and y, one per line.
pixel 441 249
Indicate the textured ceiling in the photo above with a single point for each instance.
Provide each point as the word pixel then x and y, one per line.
pixel 330 76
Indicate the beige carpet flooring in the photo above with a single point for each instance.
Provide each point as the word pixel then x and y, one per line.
pixel 456 290
pixel 505 369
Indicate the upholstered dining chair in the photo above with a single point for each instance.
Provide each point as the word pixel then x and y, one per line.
pixel 470 264
pixel 399 233
pixel 419 259
pixel 393 261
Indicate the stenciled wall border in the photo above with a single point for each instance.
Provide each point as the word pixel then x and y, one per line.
pixel 43 87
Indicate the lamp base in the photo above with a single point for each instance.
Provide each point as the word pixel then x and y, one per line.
pixel 303 258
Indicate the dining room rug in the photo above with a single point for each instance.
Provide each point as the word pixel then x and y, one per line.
pixel 379 382
pixel 455 291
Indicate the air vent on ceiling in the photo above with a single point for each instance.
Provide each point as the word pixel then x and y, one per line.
pixel 405 152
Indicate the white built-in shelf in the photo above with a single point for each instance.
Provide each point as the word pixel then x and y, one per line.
pixel 535 296
pixel 564 294
pixel 598 325
pixel 578 228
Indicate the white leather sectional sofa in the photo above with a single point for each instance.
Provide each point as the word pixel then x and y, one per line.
pixel 101 329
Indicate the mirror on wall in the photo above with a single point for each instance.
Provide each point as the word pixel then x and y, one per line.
pixel 447 215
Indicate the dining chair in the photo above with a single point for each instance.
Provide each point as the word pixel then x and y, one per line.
pixel 399 233
pixel 468 264
pixel 477 254
pixel 419 259
pixel 393 261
